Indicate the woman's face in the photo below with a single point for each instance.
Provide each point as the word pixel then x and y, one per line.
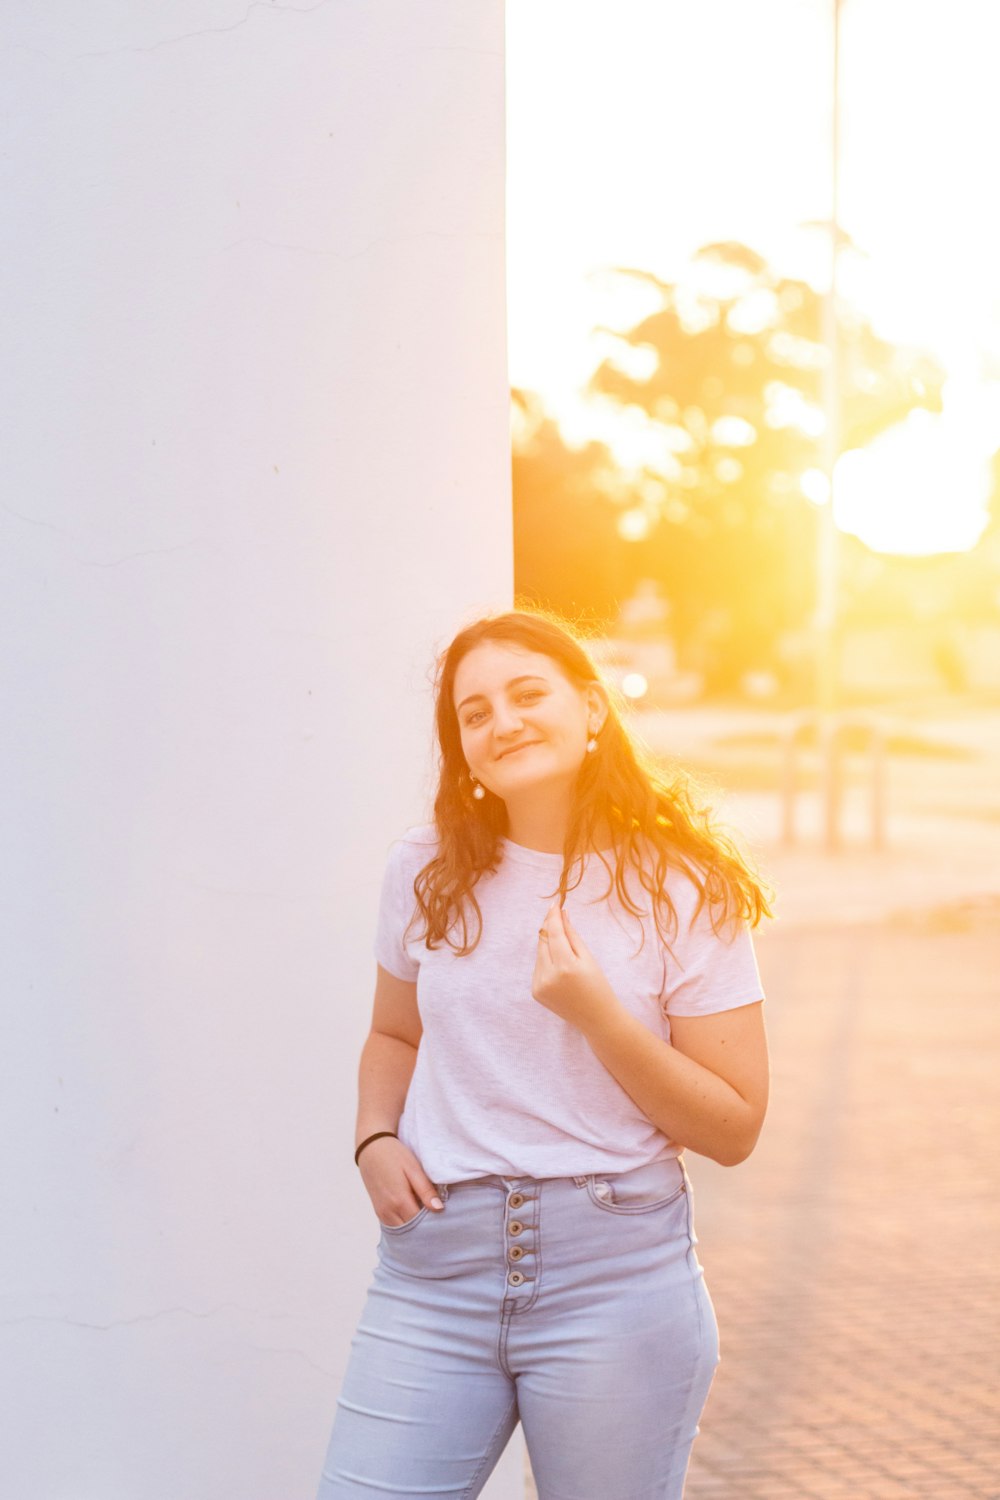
pixel 507 697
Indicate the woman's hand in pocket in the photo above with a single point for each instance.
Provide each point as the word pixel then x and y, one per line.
pixel 396 1182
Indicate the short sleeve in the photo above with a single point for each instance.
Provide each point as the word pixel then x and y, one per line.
pixel 710 971
pixel 396 907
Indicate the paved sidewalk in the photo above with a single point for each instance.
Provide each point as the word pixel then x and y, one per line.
pixel 854 1259
pixel 932 863
pixel 942 815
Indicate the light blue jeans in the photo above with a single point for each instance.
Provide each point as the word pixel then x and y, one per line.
pixel 575 1305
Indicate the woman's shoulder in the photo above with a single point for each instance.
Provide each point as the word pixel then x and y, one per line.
pixel 415 845
pixel 420 834
pixel 682 879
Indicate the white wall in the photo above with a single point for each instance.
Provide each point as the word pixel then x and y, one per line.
pixel 255 471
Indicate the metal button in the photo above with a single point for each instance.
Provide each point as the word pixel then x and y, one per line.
pixel 516 1199
pixel 515 1252
pixel 515 1278
pixel 515 1226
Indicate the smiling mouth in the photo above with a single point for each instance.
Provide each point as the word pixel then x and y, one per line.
pixel 526 746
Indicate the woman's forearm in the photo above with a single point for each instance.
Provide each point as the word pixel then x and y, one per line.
pixel 688 1103
pixel 384 1074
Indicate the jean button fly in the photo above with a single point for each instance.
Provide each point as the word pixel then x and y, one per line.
pixel 516 1199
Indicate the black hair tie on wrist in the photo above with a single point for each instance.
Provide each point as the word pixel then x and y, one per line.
pixel 372 1138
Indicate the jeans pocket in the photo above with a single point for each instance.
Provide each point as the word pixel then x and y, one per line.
pixel 402 1228
pixel 641 1190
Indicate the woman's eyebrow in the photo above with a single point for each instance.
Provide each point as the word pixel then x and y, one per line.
pixel 527 677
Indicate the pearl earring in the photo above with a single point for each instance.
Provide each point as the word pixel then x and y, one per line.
pixel 478 791
pixel 592 743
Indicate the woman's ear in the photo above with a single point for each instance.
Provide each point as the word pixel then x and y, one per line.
pixel 597 702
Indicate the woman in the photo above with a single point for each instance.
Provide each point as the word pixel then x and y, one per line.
pixel 537 1258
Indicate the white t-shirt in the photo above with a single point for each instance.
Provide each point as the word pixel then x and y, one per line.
pixel 502 1084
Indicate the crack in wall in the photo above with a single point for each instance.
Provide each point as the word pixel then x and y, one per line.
pixel 164 1312
pixel 185 36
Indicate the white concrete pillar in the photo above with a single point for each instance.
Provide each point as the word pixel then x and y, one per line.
pixel 255 471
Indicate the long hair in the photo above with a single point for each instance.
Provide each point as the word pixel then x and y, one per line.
pixel 654 814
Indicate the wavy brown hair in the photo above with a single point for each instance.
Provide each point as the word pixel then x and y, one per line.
pixel 653 812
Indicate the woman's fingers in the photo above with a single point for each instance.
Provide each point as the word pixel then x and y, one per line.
pixel 427 1192
pixel 571 933
pixel 553 935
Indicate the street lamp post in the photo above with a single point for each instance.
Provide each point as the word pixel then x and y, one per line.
pixel 825 618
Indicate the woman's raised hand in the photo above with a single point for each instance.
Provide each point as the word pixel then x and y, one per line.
pixel 396 1182
pixel 568 980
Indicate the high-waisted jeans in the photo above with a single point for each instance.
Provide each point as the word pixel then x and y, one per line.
pixel 575 1305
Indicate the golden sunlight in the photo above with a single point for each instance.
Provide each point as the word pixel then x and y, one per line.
pixel 627 150
pixel 921 487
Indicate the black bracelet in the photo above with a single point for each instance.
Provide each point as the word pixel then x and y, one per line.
pixel 372 1138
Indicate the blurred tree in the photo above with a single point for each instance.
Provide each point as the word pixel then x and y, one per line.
pixel 568 553
pixel 728 370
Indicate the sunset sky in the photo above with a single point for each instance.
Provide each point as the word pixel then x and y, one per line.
pixel 640 130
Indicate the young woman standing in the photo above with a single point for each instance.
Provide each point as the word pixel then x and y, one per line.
pixel 567 996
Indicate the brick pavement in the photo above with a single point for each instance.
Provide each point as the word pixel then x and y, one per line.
pixel 854 1258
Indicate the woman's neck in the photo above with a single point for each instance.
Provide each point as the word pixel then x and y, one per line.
pixel 548 841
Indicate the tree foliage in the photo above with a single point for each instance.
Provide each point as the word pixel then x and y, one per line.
pixel 729 369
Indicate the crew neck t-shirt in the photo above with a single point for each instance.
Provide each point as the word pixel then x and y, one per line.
pixel 502 1084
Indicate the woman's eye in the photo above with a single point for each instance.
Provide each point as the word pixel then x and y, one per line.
pixel 530 693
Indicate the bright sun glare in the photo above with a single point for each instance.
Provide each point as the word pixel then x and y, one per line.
pixel 921 487
pixel 632 143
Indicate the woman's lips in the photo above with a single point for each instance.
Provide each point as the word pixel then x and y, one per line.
pixel 526 746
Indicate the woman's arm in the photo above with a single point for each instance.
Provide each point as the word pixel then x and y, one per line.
pixel 707 1088
pixel 389 1055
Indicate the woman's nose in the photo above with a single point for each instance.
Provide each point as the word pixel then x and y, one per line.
pixel 507 721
